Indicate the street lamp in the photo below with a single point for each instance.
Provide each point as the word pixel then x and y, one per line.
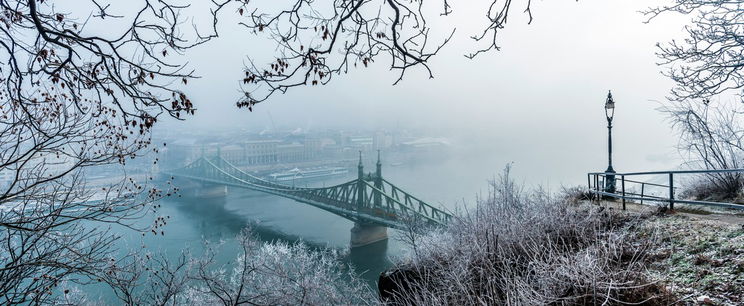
pixel 609 113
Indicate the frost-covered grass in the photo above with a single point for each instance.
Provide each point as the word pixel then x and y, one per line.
pixel 528 248
pixel 697 258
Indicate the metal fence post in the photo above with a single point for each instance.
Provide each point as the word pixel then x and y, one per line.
pixel 671 191
pixel 597 182
pixel 623 188
pixel 589 185
pixel 596 195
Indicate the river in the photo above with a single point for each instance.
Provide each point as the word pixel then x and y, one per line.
pixel 444 180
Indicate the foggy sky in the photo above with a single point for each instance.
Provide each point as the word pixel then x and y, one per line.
pixel 538 102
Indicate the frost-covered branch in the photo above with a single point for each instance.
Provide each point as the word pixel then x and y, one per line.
pixel 708 61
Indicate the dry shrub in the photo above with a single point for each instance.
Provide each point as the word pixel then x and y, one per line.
pixel 576 195
pixel 721 187
pixel 526 248
pixel 711 137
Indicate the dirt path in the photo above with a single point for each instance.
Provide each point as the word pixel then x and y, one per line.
pixel 729 216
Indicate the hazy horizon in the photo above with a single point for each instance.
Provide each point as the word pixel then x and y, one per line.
pixel 538 101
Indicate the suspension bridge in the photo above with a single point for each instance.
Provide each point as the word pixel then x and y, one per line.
pixel 370 201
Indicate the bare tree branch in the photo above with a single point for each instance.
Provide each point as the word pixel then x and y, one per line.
pixel 709 60
pixel 71 100
pixel 319 40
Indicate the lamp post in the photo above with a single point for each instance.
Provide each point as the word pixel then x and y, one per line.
pixel 609 113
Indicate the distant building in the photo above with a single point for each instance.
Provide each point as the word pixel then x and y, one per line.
pixel 293 152
pixel 260 152
pixel 382 140
pixel 264 152
pixel 233 153
pixel 313 147
pixel 426 143
pixel 243 149
pixel 6 178
pixel 363 143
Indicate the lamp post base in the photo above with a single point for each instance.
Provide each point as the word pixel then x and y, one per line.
pixel 610 180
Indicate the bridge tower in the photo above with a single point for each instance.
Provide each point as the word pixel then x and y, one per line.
pixel 209 190
pixel 366 233
pixel 378 181
pixel 360 183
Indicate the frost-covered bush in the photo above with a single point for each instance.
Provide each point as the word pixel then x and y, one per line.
pixel 576 195
pixel 525 248
pixel 711 137
pixel 260 274
pixel 276 274
pixel 726 187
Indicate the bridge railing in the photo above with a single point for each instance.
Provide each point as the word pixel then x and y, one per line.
pixel 597 184
pixel 408 204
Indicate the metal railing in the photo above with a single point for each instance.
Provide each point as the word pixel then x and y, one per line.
pixel 597 183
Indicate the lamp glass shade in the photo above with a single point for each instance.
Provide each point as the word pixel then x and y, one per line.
pixel 610 104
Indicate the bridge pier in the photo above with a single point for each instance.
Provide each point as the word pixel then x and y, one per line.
pixel 211 191
pixel 364 234
pixel 195 189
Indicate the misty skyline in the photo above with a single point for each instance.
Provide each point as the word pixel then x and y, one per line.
pixel 538 102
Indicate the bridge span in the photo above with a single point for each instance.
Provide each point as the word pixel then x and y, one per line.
pixel 372 202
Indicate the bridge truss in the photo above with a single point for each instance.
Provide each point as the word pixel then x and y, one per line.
pixel 368 199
